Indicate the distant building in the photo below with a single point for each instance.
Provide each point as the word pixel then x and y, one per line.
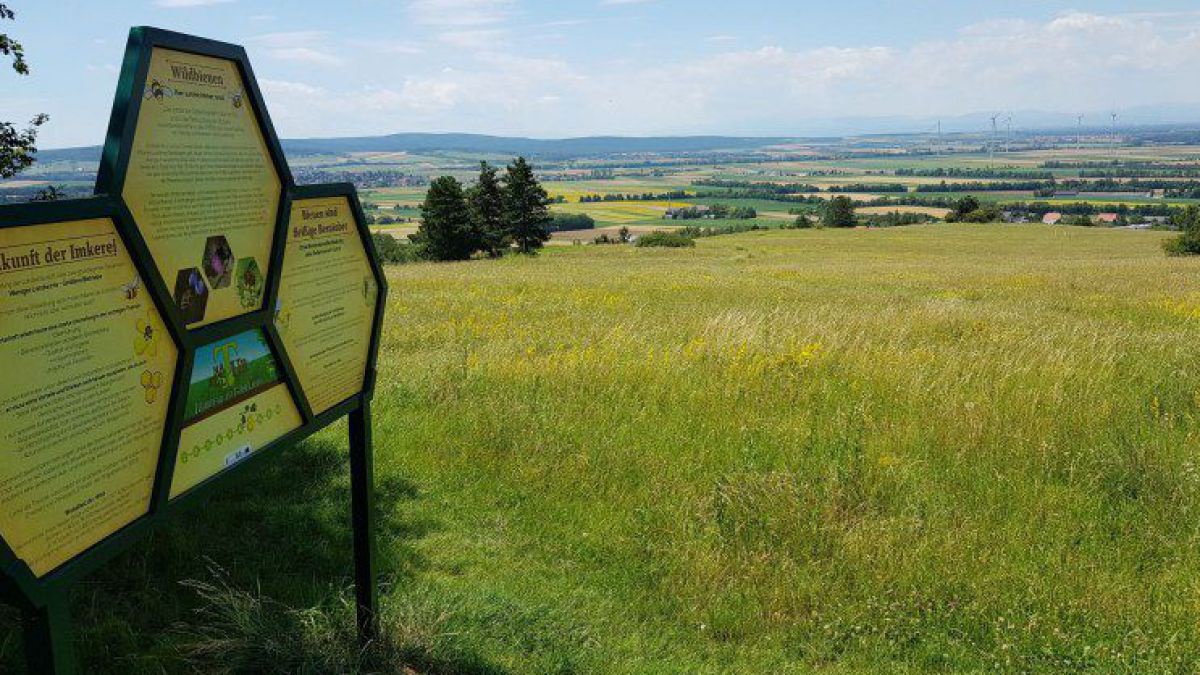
pixel 1015 217
pixel 1052 218
pixel 1107 218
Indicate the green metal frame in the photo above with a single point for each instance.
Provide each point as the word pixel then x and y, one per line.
pixel 44 600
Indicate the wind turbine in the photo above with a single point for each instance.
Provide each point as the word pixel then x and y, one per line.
pixel 1079 133
pixel 935 142
pixel 1113 146
pixel 1008 138
pixel 992 144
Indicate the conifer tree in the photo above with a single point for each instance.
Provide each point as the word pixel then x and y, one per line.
pixel 526 207
pixel 445 232
pixel 486 203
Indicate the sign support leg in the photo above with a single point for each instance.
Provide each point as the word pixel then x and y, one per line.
pixel 362 486
pixel 48 647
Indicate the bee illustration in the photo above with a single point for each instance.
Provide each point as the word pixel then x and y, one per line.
pixel 131 289
pixel 236 97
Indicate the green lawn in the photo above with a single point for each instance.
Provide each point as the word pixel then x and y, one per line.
pixel 939 448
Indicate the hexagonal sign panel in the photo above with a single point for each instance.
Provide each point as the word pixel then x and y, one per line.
pixel 201 185
pixel 236 403
pixel 88 370
pixel 327 297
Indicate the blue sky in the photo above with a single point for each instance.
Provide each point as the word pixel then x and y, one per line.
pixel 584 67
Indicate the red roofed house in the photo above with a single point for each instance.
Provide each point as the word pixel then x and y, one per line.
pixel 1052 218
pixel 1107 218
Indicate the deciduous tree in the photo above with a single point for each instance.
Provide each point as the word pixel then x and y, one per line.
pixel 839 212
pixel 17 146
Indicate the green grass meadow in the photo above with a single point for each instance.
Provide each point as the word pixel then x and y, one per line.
pixel 939 448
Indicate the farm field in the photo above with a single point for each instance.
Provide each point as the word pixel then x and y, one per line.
pixel 938 448
pixel 571 237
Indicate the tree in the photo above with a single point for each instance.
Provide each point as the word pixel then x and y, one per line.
pixel 526 207
pixel 965 207
pixel 17 147
pixel 486 203
pixel 1187 242
pixel 839 212
pixel 970 210
pixel 445 232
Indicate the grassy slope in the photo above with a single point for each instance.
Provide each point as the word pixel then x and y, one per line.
pixel 924 448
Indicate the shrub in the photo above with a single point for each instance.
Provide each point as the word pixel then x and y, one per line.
pixel 392 250
pixel 1188 241
pixel 565 222
pixel 669 239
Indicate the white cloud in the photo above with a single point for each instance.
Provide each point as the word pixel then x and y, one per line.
pixel 297 38
pixel 305 55
pixel 465 24
pixel 1075 61
pixel 299 47
pixel 180 4
pixel 459 13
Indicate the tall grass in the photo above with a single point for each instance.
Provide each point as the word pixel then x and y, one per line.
pixel 935 448
pixel 942 447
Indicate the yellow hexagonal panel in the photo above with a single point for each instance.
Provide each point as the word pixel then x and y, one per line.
pixel 88 368
pixel 326 301
pixel 201 186
pixel 237 404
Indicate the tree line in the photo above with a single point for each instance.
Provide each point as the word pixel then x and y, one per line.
pixel 495 214
pixel 644 197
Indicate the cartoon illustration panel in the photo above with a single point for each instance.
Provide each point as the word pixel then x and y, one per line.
pixel 236 404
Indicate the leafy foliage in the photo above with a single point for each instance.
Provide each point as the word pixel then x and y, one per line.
pixel 1186 242
pixel 392 250
pixel 667 239
pixel 566 222
pixel 17 146
pixel 969 210
pixel 839 212
pixel 10 47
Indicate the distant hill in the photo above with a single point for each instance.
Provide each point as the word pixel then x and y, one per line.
pixel 481 144
pixel 534 147
pixel 90 153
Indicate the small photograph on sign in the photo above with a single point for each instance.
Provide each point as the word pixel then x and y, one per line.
pixel 191 295
pixel 249 283
pixel 218 262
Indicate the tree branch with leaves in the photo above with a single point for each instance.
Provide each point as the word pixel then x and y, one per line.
pixel 18 147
